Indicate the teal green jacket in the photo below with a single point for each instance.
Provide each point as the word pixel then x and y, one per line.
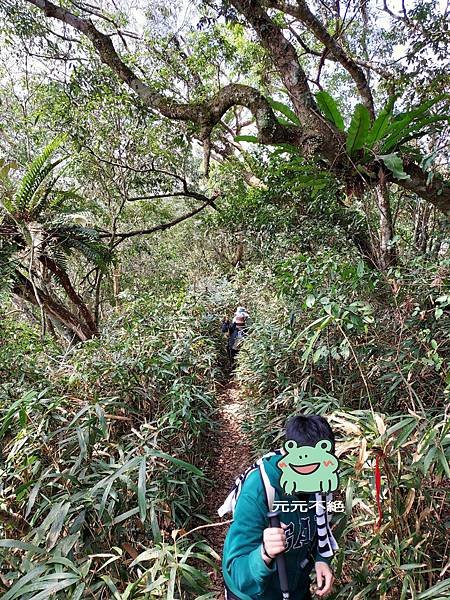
pixel 244 571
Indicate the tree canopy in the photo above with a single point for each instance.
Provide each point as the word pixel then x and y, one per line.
pixel 161 164
pixel 298 41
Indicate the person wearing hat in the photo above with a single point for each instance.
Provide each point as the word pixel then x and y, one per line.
pixel 237 330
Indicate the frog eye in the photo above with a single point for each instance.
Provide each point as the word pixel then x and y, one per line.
pixel 290 445
pixel 325 444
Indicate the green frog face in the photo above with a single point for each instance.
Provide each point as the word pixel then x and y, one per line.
pixel 308 468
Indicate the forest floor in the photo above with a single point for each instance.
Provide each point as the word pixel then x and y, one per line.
pixel 231 456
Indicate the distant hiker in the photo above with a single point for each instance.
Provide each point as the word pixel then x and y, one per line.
pixel 304 538
pixel 237 331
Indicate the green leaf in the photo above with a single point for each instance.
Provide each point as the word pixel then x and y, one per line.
pixel 15 408
pixel 417 130
pixel 176 461
pixel 285 110
pixel 124 516
pixel 246 138
pixel 381 124
pixel 284 122
pixel 35 174
pixel 328 106
pixel 286 148
pixel 21 546
pixel 142 490
pixel 22 582
pixel 402 121
pixel 57 524
pixel 111 586
pixel 154 524
pixel 432 592
pixel 157 583
pixel 444 462
pixel 438 312
pixel 358 130
pixel 171 584
pixel 395 164
pixel 310 300
pixel 412 566
pixel 410 115
pixel 79 592
pixel 49 586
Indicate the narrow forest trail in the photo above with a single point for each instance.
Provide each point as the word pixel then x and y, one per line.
pixel 231 456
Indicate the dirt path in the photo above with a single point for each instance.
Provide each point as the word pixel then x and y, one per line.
pixel 232 456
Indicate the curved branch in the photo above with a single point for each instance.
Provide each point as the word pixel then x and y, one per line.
pixel 320 136
pixel 283 54
pixel 73 296
pixel 124 236
pixel 206 115
pixel 302 12
pixel 186 191
pixel 24 289
pixel 437 192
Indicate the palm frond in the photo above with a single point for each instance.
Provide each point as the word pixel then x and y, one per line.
pixel 58 255
pixel 94 251
pixel 7 205
pixel 6 185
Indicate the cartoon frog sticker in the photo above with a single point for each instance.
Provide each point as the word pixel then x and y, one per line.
pixel 308 468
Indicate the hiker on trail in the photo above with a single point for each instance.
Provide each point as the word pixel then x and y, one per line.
pixel 237 330
pixel 305 539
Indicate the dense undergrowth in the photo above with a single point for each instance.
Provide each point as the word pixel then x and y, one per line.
pixel 103 456
pixel 105 445
pixel 368 350
pixel 162 163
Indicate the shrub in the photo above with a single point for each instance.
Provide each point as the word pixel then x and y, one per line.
pixel 103 466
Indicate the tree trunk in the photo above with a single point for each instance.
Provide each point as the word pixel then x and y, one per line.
pixel 75 298
pixel 421 226
pixel 24 289
pixel 98 290
pixel 239 252
pixel 387 253
pixel 116 283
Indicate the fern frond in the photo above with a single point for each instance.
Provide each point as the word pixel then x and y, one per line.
pixel 58 254
pixel 35 175
pixel 7 205
pixel 94 252
pixel 59 198
pixel 84 240
pixel 7 266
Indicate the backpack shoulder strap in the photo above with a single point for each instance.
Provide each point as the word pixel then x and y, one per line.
pixel 269 490
pixel 230 502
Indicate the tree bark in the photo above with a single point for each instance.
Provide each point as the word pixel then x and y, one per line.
pixel 421 226
pixel 302 12
pixel 314 137
pixel 24 289
pixel 73 296
pixel 387 256
pixel 116 274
